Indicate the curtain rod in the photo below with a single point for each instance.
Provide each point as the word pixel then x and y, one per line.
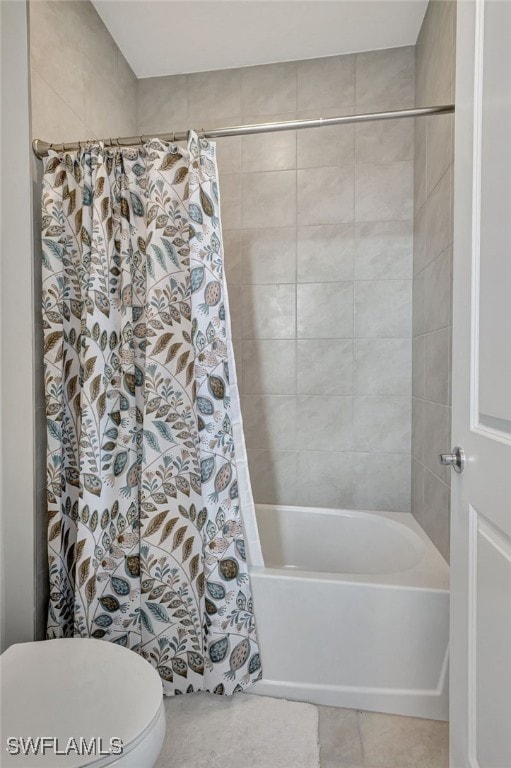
pixel 41 148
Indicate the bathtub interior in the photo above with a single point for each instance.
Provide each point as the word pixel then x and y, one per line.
pixel 385 547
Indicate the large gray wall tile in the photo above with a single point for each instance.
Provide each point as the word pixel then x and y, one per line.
pixel 324 367
pixel 270 421
pixel 327 82
pixel 386 79
pixel 383 308
pixel 436 517
pixel 268 255
pixel 324 479
pixel 381 481
pixel 437 426
pixel 325 253
pixel 51 115
pixel 228 153
pixel 324 421
pixel 418 366
pixel 325 310
pixel 384 141
pixel 382 424
pixel 436 365
pixel 269 89
pixel 268 151
pixel 420 163
pixel 418 304
pixel 383 250
pixel 417 490
pixel 440 148
pixel 325 195
pixel 273 476
pixel 163 104
pixel 418 429
pixel 269 367
pixel 382 367
pixel 230 190
pixel 268 199
pixel 420 231
pixel 384 191
pixel 63 69
pixel 438 218
pixel 235 310
pixel 232 255
pixel 213 96
pixel 268 311
pixel 438 292
pixel 333 146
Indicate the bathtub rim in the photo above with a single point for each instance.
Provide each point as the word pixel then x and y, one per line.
pixel 430 573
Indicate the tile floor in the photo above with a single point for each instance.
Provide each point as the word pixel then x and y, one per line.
pixel 352 739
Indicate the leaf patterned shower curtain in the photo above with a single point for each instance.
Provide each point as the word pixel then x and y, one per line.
pixel 146 541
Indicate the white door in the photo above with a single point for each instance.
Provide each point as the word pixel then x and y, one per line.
pixel 481 394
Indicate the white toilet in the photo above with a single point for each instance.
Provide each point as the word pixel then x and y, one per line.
pixel 80 689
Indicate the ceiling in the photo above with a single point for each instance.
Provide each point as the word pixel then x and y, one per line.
pixel 167 37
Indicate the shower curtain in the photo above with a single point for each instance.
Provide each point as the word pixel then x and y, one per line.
pixel 147 547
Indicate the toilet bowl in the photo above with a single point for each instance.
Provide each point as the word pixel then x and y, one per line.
pixel 79 703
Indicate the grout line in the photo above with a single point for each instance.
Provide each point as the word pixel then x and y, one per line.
pixel 345 452
pixel 328 338
pixel 277 283
pixel 321 167
pixel 433 474
pixel 318 225
pixel 360 735
pixel 329 395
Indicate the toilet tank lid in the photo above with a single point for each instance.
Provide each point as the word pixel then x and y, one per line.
pixel 81 688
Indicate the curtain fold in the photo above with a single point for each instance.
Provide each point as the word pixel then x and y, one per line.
pixel 146 540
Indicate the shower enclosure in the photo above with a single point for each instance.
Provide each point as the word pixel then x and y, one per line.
pixel 337 245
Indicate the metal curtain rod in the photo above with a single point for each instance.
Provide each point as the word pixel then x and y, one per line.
pixel 42 148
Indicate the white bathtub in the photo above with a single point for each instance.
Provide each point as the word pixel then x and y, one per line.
pixel 352 610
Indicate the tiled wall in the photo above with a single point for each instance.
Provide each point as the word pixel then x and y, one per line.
pixel 432 261
pixel 318 239
pixel 81 87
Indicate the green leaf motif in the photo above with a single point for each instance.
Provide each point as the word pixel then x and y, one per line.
pixel 205 406
pixel 164 430
pixel 136 204
pixel 146 621
pixel 55 249
pixel 120 586
pixel 206 469
pixel 158 611
pixel 150 437
pixel 87 195
pixel 103 620
pixel 170 251
pixel 160 256
pixel 195 213
pixel 54 429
